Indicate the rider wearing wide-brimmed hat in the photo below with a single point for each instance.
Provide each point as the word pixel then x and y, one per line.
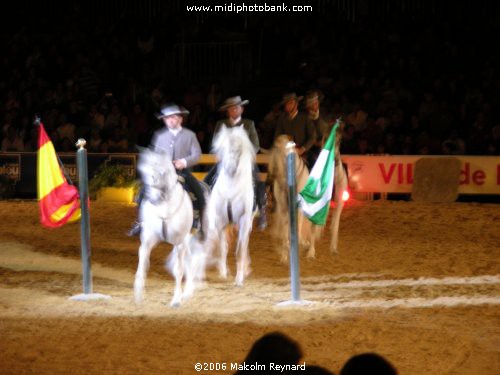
pixel 234 107
pixel 319 120
pixel 184 150
pixel 295 124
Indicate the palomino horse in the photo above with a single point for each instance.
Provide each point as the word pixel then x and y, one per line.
pixel 166 214
pixel 232 198
pixel 277 174
pixel 340 185
pixel 308 233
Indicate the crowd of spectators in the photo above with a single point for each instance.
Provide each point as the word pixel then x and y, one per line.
pixel 402 86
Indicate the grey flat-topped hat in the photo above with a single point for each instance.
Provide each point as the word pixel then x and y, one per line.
pixel 171 109
pixel 234 100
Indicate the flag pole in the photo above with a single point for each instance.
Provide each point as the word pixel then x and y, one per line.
pixel 294 240
pixel 292 211
pixel 81 161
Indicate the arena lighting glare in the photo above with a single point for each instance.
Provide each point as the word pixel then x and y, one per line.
pixel 345 195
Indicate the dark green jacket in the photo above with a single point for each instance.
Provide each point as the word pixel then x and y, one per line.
pixel 248 125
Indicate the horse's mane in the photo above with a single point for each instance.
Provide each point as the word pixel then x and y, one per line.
pixel 157 161
pixel 277 158
pixel 154 159
pixel 227 138
pixel 278 163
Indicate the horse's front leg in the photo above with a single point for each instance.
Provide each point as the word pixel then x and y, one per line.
pixel 191 268
pixel 178 271
pixel 282 233
pixel 142 267
pixel 340 186
pixel 243 259
pixel 339 204
pixel 222 262
pixel 315 234
pixel 306 235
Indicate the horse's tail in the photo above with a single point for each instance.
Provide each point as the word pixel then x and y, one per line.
pixel 197 261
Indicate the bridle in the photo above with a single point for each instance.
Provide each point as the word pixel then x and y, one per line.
pixel 159 184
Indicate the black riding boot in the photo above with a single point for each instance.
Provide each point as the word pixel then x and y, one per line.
pixel 211 177
pixel 199 198
pixel 136 227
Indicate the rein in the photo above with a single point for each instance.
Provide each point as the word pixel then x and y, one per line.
pixel 165 196
pixel 229 212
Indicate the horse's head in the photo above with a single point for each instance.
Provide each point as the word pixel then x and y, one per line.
pixel 280 143
pixel 277 158
pixel 233 147
pixel 158 174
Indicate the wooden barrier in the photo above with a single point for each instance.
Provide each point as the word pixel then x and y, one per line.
pixel 210 159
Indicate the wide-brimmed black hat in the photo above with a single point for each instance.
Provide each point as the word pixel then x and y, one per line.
pixel 234 100
pixel 291 96
pixel 171 109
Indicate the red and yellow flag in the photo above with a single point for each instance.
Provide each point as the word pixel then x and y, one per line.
pixel 59 201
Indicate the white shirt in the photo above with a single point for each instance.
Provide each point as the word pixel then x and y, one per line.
pixel 233 121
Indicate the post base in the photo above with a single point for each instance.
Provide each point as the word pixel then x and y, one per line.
pixel 301 302
pixel 89 297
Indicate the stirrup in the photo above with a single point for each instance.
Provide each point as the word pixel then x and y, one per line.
pixel 262 219
pixel 135 230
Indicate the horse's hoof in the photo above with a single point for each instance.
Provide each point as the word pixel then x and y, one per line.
pixel 248 271
pixel 311 255
pixel 188 294
pixel 175 305
pixel 138 297
pixel 223 274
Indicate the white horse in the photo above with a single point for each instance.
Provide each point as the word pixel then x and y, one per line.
pixel 166 214
pixel 232 198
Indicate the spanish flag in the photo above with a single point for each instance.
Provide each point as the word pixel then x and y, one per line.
pixel 59 201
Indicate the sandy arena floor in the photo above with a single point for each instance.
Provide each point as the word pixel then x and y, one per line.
pixel 417 283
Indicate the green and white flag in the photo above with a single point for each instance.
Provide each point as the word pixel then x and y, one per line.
pixel 314 199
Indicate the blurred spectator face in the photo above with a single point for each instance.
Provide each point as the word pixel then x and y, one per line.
pixel 495 132
pixel 95 134
pixel 234 111
pixel 363 146
pixel 11 133
pixel 124 121
pixel 137 109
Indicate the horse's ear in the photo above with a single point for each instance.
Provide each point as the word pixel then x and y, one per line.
pixel 140 148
